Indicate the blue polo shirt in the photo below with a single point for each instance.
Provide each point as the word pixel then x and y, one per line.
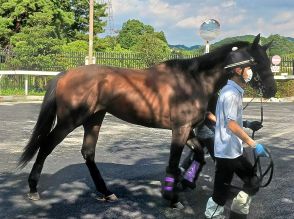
pixel 229 107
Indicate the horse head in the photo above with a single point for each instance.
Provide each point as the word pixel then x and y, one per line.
pixel 263 78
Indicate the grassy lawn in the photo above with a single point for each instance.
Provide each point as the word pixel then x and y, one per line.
pixel 20 92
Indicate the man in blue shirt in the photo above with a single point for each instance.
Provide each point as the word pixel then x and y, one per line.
pixel 229 136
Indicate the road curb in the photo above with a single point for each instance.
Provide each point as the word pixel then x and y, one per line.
pixel 20 98
pixel 271 100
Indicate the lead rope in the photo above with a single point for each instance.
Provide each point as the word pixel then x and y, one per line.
pixel 214 212
pixel 257 159
pixel 249 103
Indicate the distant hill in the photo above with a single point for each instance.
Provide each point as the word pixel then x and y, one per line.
pixel 183 47
pixel 248 38
pixel 281 45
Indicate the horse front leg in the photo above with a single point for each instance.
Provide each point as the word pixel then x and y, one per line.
pixel 179 138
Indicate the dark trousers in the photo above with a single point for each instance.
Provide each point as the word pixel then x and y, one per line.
pixel 225 169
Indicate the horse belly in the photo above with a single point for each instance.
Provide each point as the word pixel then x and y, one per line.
pixel 136 109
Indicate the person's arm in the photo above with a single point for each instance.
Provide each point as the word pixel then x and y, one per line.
pixel 211 117
pixel 239 132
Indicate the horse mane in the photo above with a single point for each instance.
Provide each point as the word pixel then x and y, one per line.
pixel 206 61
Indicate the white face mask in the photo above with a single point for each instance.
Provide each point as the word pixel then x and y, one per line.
pixel 250 74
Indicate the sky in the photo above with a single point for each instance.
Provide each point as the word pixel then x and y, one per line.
pixel 181 20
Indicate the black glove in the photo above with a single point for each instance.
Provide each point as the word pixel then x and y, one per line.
pixel 254 125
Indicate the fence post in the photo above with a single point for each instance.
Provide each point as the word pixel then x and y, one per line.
pixel 292 66
pixel 26 85
pixel 0 84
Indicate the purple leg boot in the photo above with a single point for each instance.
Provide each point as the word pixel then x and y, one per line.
pixel 191 175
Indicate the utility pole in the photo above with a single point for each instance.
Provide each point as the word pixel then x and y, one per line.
pixel 91 27
pixel 110 18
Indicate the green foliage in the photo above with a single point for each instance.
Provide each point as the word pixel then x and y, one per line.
pixel 75 46
pixel 132 30
pixel 14 84
pixel 280 46
pixel 285 88
pixel 67 19
pixel 246 38
pixel 160 35
pixel 180 53
pixel 250 92
pixel 290 55
pixel 153 48
pixel 5 32
pixel 35 31
pixel 80 9
pixel 71 55
pixel 20 92
pixel 12 91
pixel 107 43
pixel 117 48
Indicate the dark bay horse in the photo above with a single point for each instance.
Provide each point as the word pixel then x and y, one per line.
pixel 171 95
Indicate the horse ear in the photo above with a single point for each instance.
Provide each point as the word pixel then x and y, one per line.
pixel 268 45
pixel 256 41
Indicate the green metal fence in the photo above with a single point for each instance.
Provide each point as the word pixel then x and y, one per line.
pixel 287 65
pixel 54 62
pixel 63 61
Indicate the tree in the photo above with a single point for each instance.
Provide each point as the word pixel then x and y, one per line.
pixel 280 45
pixel 153 48
pixel 37 29
pixel 36 40
pixel 79 28
pixel 132 30
pixel 69 19
pixel 107 43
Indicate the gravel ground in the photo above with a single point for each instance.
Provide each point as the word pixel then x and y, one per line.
pixel 132 160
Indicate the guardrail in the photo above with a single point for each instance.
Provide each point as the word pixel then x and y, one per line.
pixel 26 73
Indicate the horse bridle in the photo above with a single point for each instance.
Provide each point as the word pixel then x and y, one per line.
pixel 260 85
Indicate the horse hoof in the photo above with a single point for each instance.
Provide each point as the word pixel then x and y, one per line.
pixel 177 206
pixel 109 198
pixel 33 196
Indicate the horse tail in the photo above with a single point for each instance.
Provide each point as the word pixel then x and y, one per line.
pixel 45 122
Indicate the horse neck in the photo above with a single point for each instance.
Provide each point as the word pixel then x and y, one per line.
pixel 212 75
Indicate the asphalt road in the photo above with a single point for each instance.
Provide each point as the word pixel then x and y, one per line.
pixel 132 160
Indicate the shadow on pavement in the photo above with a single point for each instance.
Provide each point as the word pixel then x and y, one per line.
pixel 70 193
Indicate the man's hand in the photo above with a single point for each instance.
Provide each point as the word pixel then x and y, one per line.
pixel 260 151
pixel 254 125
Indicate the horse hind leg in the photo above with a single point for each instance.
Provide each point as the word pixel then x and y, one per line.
pixel 48 143
pixel 92 128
